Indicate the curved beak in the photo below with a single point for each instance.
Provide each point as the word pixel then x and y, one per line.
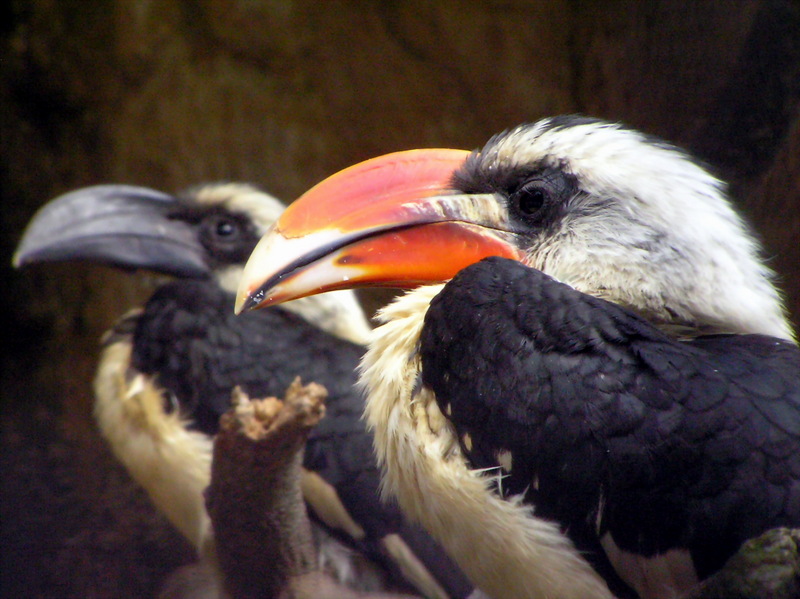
pixel 116 225
pixel 393 221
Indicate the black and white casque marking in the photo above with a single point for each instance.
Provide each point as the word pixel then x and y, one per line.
pixel 637 363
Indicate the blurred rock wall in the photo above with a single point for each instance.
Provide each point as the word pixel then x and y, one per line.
pixel 283 93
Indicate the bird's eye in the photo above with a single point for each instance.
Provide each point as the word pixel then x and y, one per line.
pixel 531 199
pixel 225 228
pixel 229 238
pixel 222 228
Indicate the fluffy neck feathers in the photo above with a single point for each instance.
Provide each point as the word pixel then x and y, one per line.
pixel 502 547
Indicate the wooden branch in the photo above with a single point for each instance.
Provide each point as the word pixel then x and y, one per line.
pixel 262 533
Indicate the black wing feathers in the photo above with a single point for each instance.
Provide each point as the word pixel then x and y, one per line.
pixel 612 425
pixel 189 338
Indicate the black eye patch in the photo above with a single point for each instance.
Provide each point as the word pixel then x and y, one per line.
pixel 537 194
pixel 228 237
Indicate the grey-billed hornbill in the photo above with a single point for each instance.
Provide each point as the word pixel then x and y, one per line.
pixel 608 373
pixel 167 371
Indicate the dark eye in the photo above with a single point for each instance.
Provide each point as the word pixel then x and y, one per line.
pixel 225 228
pixel 222 227
pixel 227 237
pixel 531 199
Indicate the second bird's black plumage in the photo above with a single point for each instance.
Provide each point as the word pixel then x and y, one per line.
pixel 189 339
pixel 611 425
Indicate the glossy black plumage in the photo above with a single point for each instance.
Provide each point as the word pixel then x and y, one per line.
pixel 190 340
pixel 612 425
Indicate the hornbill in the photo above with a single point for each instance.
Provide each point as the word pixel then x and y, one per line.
pixel 593 360
pixel 167 371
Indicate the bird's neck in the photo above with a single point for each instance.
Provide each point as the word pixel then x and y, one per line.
pixel 503 548
pixel 679 300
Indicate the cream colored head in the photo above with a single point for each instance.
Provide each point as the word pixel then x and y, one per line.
pixel 645 226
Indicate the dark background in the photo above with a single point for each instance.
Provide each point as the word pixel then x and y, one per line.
pixel 172 93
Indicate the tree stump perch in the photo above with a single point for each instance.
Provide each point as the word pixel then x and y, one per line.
pixel 262 534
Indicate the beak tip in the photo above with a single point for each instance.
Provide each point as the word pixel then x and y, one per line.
pixel 247 299
pixel 22 257
pixel 241 303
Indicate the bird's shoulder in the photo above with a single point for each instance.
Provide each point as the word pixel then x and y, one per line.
pixel 592 403
pixel 501 331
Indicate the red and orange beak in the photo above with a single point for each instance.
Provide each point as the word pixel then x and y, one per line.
pixel 392 221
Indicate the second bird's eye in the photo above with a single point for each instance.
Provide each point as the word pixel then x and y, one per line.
pixel 229 238
pixel 225 228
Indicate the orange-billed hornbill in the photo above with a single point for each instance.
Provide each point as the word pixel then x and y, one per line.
pixel 608 373
pixel 167 371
